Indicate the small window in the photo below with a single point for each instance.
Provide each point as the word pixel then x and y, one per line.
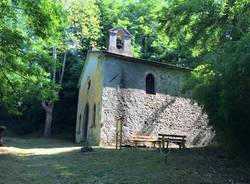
pixel 89 84
pixel 94 116
pixel 150 84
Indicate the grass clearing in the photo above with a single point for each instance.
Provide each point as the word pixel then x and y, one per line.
pixel 41 161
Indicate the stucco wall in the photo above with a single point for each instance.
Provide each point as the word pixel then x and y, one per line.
pixel 168 111
pixel 92 72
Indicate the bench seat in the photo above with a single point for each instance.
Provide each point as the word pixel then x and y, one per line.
pixel 142 138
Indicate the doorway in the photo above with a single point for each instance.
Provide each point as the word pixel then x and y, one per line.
pixel 85 122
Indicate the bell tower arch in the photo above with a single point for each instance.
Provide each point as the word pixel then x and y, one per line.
pixel 120 41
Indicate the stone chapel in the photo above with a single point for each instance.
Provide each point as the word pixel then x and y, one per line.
pixel 146 94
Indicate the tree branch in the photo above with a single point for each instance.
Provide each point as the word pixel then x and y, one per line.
pixel 8 80
pixel 54 66
pixel 63 68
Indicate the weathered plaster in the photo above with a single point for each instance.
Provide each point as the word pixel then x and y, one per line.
pixel 92 72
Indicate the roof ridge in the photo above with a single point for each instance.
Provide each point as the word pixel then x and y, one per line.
pixel 145 61
pixel 120 27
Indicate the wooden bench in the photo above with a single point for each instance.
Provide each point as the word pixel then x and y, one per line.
pixel 142 138
pixel 180 140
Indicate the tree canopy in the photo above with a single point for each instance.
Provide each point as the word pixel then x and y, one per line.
pixel 27 28
pixel 214 36
pixel 141 19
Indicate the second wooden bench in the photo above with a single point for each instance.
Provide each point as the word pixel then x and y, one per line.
pixel 180 140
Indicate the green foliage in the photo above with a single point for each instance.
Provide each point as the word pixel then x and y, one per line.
pixel 141 19
pixel 84 21
pixel 82 34
pixel 216 34
pixel 28 32
pixel 27 28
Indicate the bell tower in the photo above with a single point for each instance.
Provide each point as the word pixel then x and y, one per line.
pixel 120 41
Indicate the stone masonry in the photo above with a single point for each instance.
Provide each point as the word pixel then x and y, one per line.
pixel 113 84
pixel 167 111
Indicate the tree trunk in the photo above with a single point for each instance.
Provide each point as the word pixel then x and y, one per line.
pixel 48 106
pixel 48 121
pixel 63 68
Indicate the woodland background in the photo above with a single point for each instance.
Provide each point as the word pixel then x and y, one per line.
pixel 43 45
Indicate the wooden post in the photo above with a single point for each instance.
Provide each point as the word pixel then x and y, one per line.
pixel 183 143
pixel 120 140
pixel 154 144
pixel 118 137
pixel 163 142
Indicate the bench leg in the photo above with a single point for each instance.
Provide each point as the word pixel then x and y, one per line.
pixel 163 144
pixel 159 143
pixel 153 144
pixel 167 144
pixel 180 145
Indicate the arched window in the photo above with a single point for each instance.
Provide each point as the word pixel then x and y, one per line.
pixel 119 44
pixel 94 116
pixel 150 84
pixel 119 40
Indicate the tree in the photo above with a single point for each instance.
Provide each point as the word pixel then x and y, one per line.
pixel 84 21
pixel 29 30
pixel 48 104
pixel 57 43
pixel 215 35
pixel 24 32
pixel 82 33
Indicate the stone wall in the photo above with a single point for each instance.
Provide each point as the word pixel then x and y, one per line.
pixel 168 111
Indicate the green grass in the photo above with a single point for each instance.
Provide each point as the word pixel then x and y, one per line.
pixel 40 161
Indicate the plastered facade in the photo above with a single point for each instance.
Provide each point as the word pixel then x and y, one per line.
pixel 118 89
pixel 92 96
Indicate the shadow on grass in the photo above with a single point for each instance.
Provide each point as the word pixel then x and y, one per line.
pixel 129 165
pixel 30 143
